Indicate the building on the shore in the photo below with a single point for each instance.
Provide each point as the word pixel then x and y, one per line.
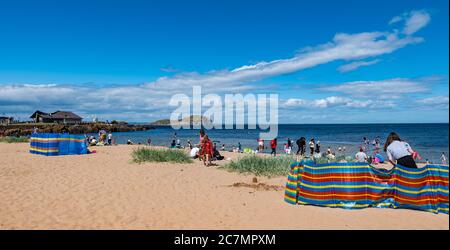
pixel 64 117
pixel 4 120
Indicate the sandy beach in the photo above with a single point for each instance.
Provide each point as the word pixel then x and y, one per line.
pixel 106 190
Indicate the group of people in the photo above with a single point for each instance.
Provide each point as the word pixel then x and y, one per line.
pixel 397 150
pixel 314 146
pixel 205 150
pixel 400 152
pixel 104 139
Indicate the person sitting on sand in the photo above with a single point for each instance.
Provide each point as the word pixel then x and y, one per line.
pixel 93 142
pixel 207 150
pixel 329 151
pixel 149 142
pixel 189 144
pixel 216 155
pixel 194 152
pixel 129 142
pixel 260 145
pixel 361 156
pixel 173 144
pixel 377 158
pixel 399 152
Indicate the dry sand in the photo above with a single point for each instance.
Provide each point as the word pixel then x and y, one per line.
pixel 107 191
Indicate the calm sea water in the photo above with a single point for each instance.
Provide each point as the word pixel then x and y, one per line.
pixel 430 140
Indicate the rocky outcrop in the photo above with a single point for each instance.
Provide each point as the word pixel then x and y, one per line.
pixel 191 120
pixel 24 129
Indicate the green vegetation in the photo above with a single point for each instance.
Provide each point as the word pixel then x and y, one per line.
pixel 273 166
pixel 10 139
pixel 262 166
pixel 337 159
pixel 160 155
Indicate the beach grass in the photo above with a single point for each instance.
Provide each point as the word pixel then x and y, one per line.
pixel 141 155
pixel 261 166
pixel 11 139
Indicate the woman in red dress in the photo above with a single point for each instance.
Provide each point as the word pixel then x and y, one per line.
pixel 207 150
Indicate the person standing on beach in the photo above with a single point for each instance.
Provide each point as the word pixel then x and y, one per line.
pixel 189 144
pixel 301 143
pixel 110 138
pixel 311 146
pixel 273 146
pixel 289 145
pixel 399 152
pixel 318 146
pixel 149 142
pixel 207 151
pixel 443 159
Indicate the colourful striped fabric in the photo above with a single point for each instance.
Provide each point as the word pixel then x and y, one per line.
pixel 359 185
pixel 51 144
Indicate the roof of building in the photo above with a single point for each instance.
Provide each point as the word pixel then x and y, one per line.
pixel 62 115
pixel 56 115
pixel 38 112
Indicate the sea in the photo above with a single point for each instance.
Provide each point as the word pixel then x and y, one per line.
pixel 430 140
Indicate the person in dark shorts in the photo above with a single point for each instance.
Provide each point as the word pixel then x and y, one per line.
pixel 273 146
pixel 301 144
pixel 399 152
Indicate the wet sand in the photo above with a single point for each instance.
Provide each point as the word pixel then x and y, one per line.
pixel 106 190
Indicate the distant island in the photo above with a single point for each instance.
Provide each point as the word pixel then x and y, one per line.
pixel 191 120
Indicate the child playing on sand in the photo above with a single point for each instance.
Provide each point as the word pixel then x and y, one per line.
pixel 207 150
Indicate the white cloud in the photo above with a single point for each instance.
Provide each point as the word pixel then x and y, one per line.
pixel 390 88
pixel 337 101
pixel 355 65
pixel 396 19
pixel 434 102
pixel 414 21
pixel 141 101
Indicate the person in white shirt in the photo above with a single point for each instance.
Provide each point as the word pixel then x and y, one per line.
pixel 109 139
pixel 311 146
pixel 361 156
pixel 399 152
pixel 194 152
pixel 443 159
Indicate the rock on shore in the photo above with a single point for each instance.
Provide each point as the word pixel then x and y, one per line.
pixel 24 129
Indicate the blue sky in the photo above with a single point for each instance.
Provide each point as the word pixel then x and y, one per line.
pixel 329 61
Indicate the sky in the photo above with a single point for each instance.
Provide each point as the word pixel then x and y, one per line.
pixel 328 61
